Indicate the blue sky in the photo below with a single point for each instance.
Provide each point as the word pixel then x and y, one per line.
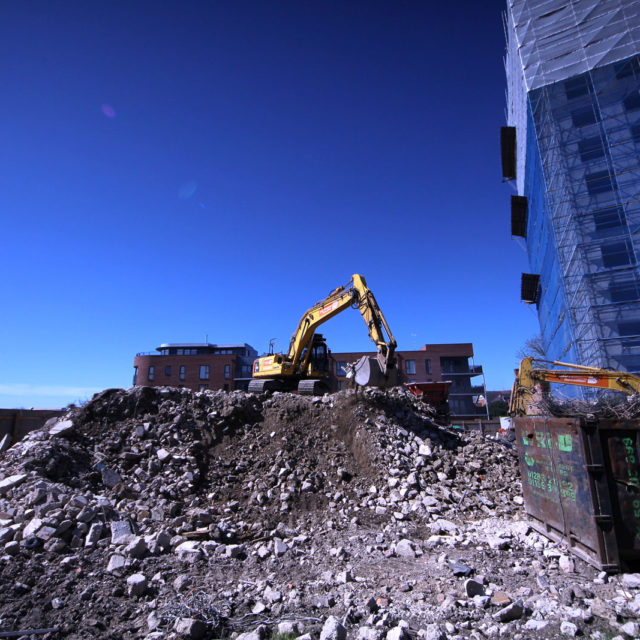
pixel 178 169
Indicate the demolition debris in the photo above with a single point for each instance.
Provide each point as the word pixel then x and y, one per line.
pixel 163 513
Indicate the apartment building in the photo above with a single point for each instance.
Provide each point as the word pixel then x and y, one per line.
pixel 431 363
pixel 195 366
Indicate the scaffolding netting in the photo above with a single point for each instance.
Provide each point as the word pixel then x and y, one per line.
pixel 574 98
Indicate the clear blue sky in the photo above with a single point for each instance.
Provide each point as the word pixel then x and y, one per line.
pixel 172 170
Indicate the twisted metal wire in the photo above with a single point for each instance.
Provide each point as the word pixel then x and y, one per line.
pixel 608 406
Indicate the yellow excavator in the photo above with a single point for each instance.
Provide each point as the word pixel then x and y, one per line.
pixel 305 366
pixel 531 380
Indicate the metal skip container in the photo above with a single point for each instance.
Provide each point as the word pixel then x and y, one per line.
pixel 581 486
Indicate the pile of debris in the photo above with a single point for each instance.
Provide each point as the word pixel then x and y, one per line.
pixel 163 513
pixel 608 405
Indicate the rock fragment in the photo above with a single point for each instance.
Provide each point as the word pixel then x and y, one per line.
pixel 332 629
pixel 190 628
pixel 116 563
pixel 514 611
pixel 62 428
pixel 136 584
pixel 11 481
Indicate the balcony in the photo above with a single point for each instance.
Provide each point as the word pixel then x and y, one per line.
pixel 470 371
pixel 469 391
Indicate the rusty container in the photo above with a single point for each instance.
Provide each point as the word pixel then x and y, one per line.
pixel 581 486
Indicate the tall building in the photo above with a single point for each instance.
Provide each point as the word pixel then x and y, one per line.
pixel 572 148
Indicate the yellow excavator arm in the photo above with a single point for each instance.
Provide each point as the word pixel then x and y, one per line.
pixel 355 293
pixel 531 380
pixel 298 361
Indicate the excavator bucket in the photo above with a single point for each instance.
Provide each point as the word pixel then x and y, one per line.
pixel 368 373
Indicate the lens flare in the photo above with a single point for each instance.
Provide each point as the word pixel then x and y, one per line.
pixel 187 189
pixel 108 111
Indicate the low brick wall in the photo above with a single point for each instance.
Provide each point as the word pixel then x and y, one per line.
pixel 18 422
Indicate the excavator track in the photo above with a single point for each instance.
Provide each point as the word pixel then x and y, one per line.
pixel 312 387
pixel 258 386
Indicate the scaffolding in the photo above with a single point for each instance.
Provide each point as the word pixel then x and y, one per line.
pixel 574 98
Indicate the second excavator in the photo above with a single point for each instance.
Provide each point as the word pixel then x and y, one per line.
pixel 532 380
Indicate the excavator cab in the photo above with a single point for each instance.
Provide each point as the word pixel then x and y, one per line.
pixel 319 359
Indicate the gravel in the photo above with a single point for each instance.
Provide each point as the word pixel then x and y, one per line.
pixel 165 513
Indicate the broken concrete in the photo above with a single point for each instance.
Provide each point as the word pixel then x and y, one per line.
pixel 165 513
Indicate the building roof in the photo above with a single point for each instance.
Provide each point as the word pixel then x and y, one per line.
pixel 195 345
pixel 558 39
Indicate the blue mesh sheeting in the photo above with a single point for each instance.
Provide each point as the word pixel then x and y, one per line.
pixel 554 327
pixel 583 237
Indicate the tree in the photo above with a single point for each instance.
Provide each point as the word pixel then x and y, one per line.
pixel 498 408
pixel 534 346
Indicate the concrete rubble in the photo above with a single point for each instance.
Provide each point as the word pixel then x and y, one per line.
pixel 164 513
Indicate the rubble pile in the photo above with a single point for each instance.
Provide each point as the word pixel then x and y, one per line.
pixel 608 405
pixel 164 513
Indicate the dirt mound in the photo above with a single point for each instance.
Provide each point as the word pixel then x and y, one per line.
pixel 153 507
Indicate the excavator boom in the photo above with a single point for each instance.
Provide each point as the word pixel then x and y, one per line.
pixel 301 357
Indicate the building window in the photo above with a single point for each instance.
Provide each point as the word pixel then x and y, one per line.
pixel 204 372
pixel 340 384
pixel 152 373
pixel 457 406
pixel 632 101
pixel 576 87
pixel 341 368
pixel 630 328
pixel 583 117
pixel 616 254
pixel 182 373
pixel 624 291
pixel 627 68
pixel 599 182
pixel 167 370
pixel 427 365
pixel 590 149
pixel 243 370
pixel 227 371
pixel 203 387
pixel 410 367
pixel 609 218
pixel 135 375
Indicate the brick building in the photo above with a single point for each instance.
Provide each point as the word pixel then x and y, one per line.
pixel 195 366
pixel 199 366
pixel 433 362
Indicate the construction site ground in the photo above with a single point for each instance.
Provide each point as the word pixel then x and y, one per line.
pixel 165 513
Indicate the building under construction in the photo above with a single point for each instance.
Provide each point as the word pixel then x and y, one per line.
pixel 572 147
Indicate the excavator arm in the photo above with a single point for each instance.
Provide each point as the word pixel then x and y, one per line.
pixel 531 380
pixel 297 361
pixel 356 294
